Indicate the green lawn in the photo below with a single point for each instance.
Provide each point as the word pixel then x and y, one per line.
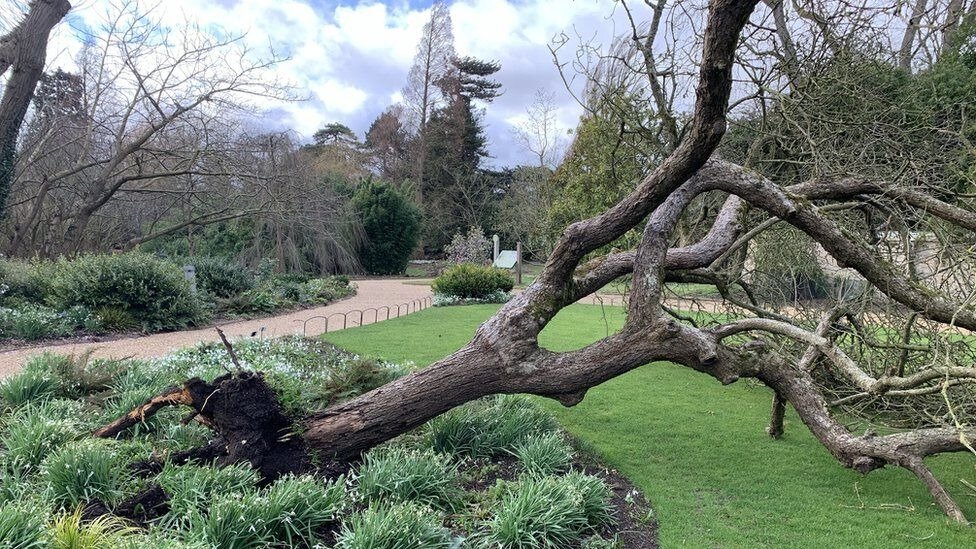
pixel 698 449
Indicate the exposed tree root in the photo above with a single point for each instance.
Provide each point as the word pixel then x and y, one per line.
pixel 172 396
pixel 249 423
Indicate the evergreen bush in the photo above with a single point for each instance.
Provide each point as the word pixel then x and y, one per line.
pixel 220 277
pixel 392 225
pixel 473 281
pixel 153 291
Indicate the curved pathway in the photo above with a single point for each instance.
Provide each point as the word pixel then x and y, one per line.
pixel 370 294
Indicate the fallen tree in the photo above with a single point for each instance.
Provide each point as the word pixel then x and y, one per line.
pixel 505 356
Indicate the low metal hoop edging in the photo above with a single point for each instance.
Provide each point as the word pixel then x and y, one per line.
pixel 417 304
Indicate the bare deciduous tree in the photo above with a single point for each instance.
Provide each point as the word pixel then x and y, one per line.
pixel 539 132
pixel 156 119
pixel 432 63
pixel 23 51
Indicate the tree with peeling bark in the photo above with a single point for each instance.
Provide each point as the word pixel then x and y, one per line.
pixel 801 359
pixel 23 51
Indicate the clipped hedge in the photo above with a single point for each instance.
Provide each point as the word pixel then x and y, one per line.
pixel 153 291
pixel 473 281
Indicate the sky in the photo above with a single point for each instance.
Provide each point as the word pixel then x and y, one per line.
pixel 350 59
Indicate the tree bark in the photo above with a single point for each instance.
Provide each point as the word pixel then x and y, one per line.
pixel 504 356
pixel 23 51
pixel 776 417
pixel 907 50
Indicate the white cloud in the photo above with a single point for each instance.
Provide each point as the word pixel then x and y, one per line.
pixel 340 98
pixel 351 60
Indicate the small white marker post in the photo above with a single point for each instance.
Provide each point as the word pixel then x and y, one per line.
pixel 190 273
pixel 497 244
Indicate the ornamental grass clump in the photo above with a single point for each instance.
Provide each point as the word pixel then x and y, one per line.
pixel 232 521
pixel 71 531
pixel 300 507
pixel 404 525
pixel 33 432
pixel 292 512
pixel 397 474
pixel 542 455
pixel 26 387
pixel 83 471
pixel 487 428
pixel 548 512
pixel 192 487
pixel 21 526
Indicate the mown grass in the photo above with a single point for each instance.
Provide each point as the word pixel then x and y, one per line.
pixel 699 451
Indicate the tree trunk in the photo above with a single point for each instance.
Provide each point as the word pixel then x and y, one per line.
pixel 777 417
pixel 24 51
pixel 907 50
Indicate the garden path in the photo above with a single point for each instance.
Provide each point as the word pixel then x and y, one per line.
pixel 373 293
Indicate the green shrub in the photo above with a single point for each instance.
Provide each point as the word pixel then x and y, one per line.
pixel 320 291
pixel 398 474
pixel 22 526
pixel 286 290
pixel 27 386
pixel 25 281
pixel 283 279
pixel 392 225
pixel 254 301
pixel 544 454
pixel 220 277
pixel 487 428
pixel 444 300
pixel 83 471
pixel 153 291
pixel 400 526
pixel 548 512
pixel 472 281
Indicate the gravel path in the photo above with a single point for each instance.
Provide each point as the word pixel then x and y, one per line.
pixel 371 294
